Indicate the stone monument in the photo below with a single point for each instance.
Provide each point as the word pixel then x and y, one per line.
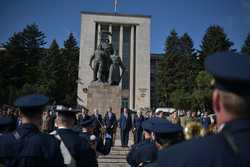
pixel 104 90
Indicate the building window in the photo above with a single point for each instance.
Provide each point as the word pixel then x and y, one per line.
pixel 124 102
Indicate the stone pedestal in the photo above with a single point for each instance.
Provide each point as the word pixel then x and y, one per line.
pixel 102 96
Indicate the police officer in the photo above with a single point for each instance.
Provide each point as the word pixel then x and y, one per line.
pixel 144 152
pixel 163 134
pixel 231 103
pixel 76 151
pixel 27 146
pixel 97 143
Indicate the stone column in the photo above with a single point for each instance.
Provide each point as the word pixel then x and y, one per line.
pixel 121 41
pixel 98 34
pixel 110 30
pixel 121 47
pixel 132 71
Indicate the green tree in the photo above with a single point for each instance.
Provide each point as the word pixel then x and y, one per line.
pixel 181 99
pixel 20 64
pixel 177 70
pixel 71 59
pixel 246 46
pixel 167 68
pixel 214 40
pixel 201 97
pixel 189 65
pixel 51 77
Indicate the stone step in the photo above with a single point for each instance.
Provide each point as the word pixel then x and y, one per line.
pixel 112 160
pixel 118 142
pixel 112 156
pixel 118 153
pixel 113 165
pixel 116 158
pixel 118 148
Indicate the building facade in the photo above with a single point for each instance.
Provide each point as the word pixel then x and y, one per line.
pixel 154 68
pixel 131 38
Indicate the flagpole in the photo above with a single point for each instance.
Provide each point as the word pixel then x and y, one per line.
pixel 115 6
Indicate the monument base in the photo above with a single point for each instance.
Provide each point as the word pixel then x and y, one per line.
pixel 103 96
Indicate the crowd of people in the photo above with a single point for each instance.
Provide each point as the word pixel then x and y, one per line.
pixel 32 134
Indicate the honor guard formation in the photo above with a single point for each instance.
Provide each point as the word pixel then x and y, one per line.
pixel 36 134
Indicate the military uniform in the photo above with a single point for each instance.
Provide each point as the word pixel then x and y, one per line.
pixel 101 146
pixel 27 146
pixel 230 147
pixel 142 153
pixel 78 149
pixel 146 153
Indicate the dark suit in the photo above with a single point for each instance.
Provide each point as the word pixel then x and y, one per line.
pixel 206 122
pixel 98 123
pixel 125 124
pixel 138 128
pixel 28 147
pixel 78 148
pixel 82 118
pixel 110 122
pixel 229 148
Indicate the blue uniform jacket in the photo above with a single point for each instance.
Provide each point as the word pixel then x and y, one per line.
pixel 28 147
pixel 229 148
pixel 78 147
pixel 142 153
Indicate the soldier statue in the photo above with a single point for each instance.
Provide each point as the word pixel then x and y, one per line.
pixel 100 61
pixel 115 73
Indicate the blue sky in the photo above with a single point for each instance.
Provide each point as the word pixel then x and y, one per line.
pixel 57 18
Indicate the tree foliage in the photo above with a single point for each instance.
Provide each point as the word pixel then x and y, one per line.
pixel 27 67
pixel 20 63
pixel 246 46
pixel 177 70
pixel 182 82
pixel 214 40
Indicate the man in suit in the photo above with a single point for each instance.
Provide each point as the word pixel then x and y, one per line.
pixel 110 123
pixel 76 151
pixel 83 116
pixel 231 103
pixel 98 123
pixel 27 146
pixel 125 125
pixel 137 124
pixel 205 120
